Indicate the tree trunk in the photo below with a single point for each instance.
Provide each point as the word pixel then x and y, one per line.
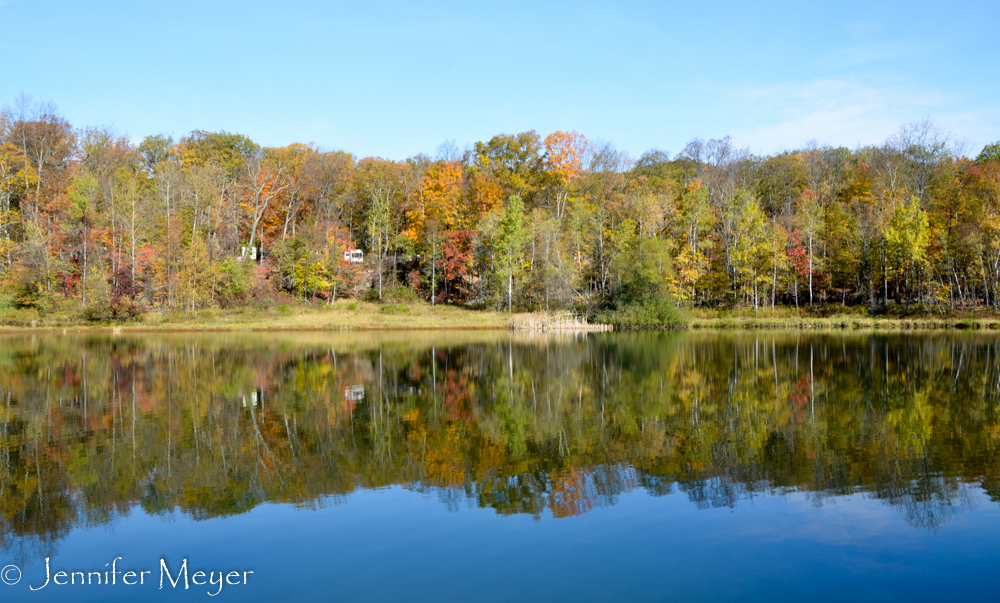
pixel 774 283
pixel 510 290
pixel 84 283
pixel 810 271
pixel 906 287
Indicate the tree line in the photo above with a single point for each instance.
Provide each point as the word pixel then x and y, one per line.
pixel 518 222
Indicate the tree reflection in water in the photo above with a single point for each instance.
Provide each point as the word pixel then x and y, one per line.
pixel 215 424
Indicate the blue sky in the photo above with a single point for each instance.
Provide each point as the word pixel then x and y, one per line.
pixel 398 78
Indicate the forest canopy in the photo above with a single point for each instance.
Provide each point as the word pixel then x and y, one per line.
pixel 518 222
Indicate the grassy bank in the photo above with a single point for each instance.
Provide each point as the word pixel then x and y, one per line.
pixel 840 318
pixel 343 315
pixel 357 315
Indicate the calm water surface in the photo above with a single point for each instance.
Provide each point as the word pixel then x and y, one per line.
pixel 484 466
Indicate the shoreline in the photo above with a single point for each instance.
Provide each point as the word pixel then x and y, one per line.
pixel 504 323
pixel 846 323
pixel 354 316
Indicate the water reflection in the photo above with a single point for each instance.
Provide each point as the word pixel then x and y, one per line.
pixel 213 425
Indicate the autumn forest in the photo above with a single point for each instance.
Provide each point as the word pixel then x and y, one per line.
pixel 90 220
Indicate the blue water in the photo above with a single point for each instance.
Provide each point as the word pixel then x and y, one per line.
pixel 485 467
pixel 395 544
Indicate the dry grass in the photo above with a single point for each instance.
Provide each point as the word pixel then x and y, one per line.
pixel 344 315
pixel 350 315
pixel 856 319
pixel 544 322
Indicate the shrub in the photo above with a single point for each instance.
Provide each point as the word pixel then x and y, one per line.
pixel 658 313
pixel 123 309
pixel 392 294
pixel 236 280
pixel 399 294
pixel 96 313
pixel 29 277
pixel 394 309
pixel 123 305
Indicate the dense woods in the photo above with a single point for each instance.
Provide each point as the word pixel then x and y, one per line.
pixel 92 428
pixel 92 221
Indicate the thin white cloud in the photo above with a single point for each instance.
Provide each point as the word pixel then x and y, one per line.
pixel 863 54
pixel 850 113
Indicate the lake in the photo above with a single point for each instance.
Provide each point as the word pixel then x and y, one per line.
pixel 430 466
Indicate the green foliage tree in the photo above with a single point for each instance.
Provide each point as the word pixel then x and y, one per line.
pixel 511 238
pixel 810 223
pixel 908 236
pixel 749 251
pixel 380 183
pixel 79 225
pixel 990 152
